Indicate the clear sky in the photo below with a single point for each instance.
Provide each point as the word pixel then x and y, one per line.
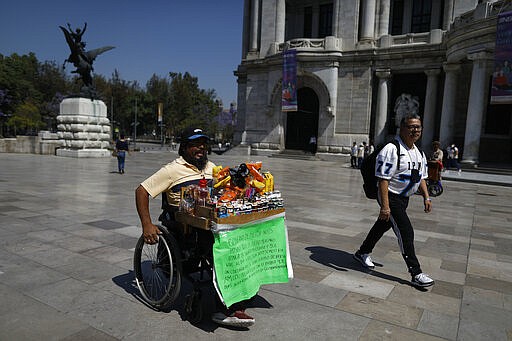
pixel 203 37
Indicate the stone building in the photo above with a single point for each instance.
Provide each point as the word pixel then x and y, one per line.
pixel 360 63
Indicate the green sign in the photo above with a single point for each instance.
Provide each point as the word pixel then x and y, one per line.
pixel 249 256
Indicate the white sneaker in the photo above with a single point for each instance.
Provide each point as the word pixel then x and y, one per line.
pixel 422 280
pixel 238 319
pixel 364 259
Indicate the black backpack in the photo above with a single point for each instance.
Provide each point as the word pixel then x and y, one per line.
pixel 368 170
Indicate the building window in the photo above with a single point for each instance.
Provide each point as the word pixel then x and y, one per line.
pixel 325 21
pixel 415 16
pixel 397 16
pixel 421 13
pixel 308 22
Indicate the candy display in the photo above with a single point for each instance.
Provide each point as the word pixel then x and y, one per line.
pixel 234 191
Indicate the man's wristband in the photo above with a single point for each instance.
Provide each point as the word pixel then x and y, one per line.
pixel 427 199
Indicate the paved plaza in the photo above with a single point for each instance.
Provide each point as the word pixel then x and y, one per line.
pixel 68 228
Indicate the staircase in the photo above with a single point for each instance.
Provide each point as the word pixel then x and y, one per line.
pixel 295 155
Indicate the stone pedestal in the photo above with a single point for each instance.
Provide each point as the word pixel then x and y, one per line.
pixel 84 128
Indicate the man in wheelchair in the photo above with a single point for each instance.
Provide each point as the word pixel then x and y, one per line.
pixel 188 169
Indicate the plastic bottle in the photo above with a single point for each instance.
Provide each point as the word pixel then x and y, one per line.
pixel 203 192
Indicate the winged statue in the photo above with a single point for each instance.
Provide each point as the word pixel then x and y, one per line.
pixel 79 57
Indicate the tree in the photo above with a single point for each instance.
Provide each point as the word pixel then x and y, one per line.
pixel 26 117
pixel 190 105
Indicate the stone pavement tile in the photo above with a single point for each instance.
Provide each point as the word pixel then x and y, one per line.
pixel 491 298
pixel 381 310
pixel 378 330
pixel 489 283
pixel 309 273
pixel 106 224
pixel 25 275
pixel 425 300
pixel 77 244
pixel 295 319
pixel 29 319
pixel 127 243
pixel 96 307
pixel 447 289
pixel 349 232
pixel 109 254
pixel 61 295
pixel 91 272
pixel 307 291
pixel 49 235
pixel 10 208
pixel 486 314
pixel 452 266
pixel 357 283
pixel 54 256
pixel 470 330
pixel 130 231
pixel 447 276
pixel 438 324
pixel 51 221
pixel 94 233
pixel 88 334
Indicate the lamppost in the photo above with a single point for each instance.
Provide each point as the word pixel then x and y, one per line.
pixel 135 126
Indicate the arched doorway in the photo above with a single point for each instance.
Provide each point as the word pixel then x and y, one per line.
pixel 303 123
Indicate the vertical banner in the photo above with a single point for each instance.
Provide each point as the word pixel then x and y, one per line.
pixel 289 91
pixel 501 91
pixel 160 112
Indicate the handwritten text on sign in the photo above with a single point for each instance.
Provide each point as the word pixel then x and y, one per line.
pixel 248 257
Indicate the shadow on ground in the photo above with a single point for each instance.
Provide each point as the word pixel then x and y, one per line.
pixel 207 302
pixel 343 261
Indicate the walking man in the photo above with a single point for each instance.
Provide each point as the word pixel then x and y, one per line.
pixel 353 155
pixel 395 186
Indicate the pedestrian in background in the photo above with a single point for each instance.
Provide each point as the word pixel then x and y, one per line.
pixel 453 157
pixel 353 155
pixel 360 155
pixel 121 150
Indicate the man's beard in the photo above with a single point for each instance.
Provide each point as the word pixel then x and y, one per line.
pixel 199 163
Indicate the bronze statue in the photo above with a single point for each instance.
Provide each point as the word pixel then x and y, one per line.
pixel 81 58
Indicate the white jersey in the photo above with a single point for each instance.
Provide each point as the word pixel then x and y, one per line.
pixel 412 164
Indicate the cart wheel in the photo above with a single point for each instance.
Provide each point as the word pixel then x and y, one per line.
pixel 193 307
pixel 435 190
pixel 157 270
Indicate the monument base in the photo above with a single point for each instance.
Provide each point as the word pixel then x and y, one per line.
pixel 78 153
pixel 84 129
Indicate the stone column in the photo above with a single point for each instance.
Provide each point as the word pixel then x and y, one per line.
pixel 448 110
pixel 254 24
pixel 280 20
pixel 246 27
pixel 476 106
pixel 384 18
pixel 335 17
pixel 448 13
pixel 382 106
pixel 429 115
pixel 368 20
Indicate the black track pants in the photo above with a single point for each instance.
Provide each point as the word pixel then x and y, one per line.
pixel 402 228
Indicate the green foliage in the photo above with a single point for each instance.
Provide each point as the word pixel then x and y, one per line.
pixel 30 94
pixel 26 118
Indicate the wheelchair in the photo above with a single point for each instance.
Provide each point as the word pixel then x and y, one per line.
pixel 183 252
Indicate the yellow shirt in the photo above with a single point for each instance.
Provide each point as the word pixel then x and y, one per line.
pixel 173 176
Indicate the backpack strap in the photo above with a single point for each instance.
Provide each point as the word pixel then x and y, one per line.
pixel 397 145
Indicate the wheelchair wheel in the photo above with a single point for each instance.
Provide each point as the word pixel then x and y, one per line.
pixel 157 270
pixel 435 189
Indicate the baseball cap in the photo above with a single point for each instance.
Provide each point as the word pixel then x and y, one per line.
pixel 191 133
